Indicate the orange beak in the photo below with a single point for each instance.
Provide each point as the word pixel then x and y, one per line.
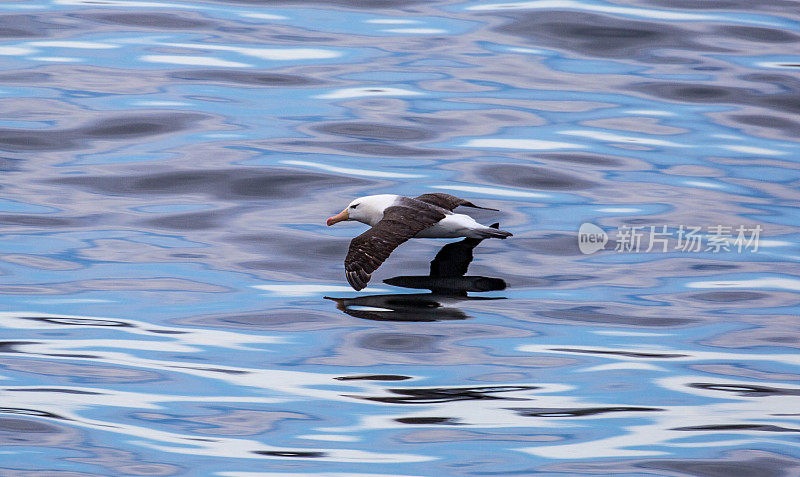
pixel 340 217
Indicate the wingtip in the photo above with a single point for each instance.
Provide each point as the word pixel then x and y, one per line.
pixel 470 204
pixel 358 279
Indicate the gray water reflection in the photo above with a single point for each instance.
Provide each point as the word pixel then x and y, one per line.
pixel 163 262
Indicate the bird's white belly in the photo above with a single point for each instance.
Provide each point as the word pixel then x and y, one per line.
pixel 452 226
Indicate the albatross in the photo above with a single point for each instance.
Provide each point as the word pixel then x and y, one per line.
pixel 395 219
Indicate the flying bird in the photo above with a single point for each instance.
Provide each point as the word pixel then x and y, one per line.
pixel 395 219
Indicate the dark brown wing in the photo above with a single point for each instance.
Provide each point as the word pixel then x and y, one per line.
pixel 447 201
pixel 369 250
pixel 454 258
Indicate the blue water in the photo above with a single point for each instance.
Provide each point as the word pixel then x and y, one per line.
pixel 173 303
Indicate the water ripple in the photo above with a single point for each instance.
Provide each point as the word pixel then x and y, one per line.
pixel 174 303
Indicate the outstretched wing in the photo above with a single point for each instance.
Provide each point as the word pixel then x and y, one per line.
pixel 454 258
pixel 369 250
pixel 447 201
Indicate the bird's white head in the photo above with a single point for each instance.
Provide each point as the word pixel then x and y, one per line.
pixel 368 209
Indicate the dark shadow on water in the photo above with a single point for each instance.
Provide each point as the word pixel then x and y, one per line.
pixel 447 282
pixel 580 412
pixel 438 395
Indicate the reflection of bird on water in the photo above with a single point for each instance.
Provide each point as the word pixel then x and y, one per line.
pixel 395 219
pixel 401 307
pixel 447 282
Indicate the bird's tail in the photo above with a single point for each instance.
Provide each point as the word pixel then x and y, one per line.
pixel 493 232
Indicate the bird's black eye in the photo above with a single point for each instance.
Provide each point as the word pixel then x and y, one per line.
pixel 354 206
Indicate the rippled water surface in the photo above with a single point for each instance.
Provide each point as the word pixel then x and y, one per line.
pixel 173 304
